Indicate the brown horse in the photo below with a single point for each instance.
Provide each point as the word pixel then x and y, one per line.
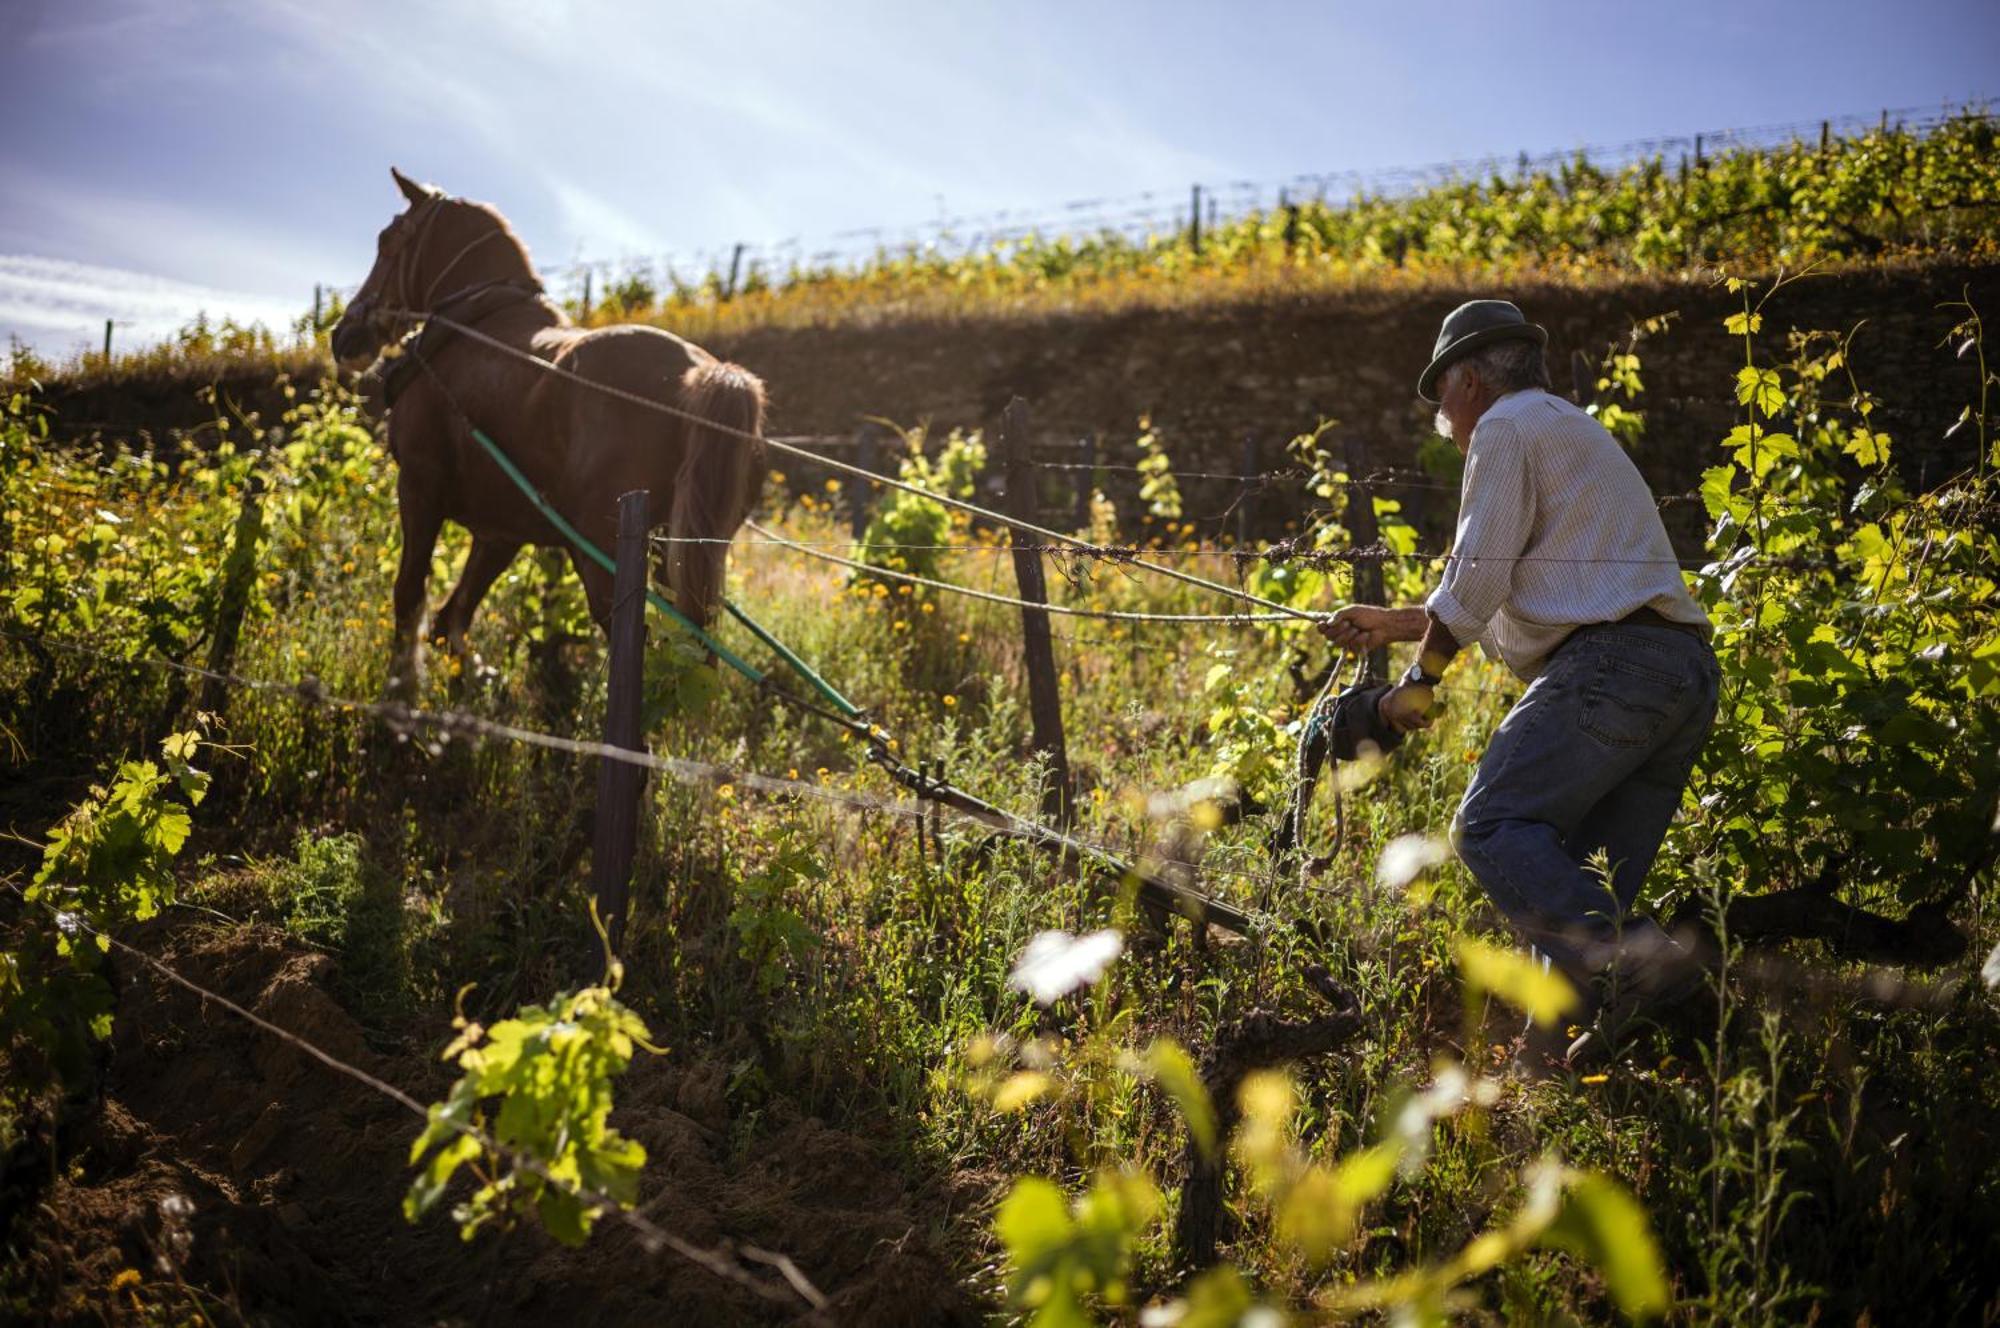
pixel 581 447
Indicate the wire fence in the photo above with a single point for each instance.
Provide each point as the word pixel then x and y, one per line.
pixel 1146 214
pixel 1136 217
pixel 434 729
pixel 1284 552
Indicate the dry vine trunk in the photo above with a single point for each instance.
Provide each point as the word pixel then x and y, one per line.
pixel 1258 1041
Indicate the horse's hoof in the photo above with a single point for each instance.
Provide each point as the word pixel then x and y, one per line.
pixel 402 686
pixel 471 674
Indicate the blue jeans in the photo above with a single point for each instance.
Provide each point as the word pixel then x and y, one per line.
pixel 1595 756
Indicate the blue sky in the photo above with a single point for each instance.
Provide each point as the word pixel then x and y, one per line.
pixel 164 154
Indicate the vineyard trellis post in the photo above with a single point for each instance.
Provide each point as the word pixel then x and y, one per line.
pixel 233 583
pixel 584 309
pixel 1194 221
pixel 1044 695
pixel 860 494
pixel 616 839
pixel 107 343
pixel 735 267
pixel 1086 477
pixel 1368 588
pixel 239 574
pixel 1251 480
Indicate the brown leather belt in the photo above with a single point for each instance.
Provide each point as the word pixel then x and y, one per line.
pixel 1649 617
pixel 1641 617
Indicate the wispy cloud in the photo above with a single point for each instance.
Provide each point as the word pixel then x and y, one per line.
pixel 583 211
pixel 193 240
pixel 56 307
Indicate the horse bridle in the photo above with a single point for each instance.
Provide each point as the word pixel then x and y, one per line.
pixel 408 255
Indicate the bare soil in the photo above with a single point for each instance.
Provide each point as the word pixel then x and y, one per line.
pixel 225 1173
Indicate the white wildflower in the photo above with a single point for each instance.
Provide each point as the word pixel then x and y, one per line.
pixel 1057 963
pixel 1451 1090
pixel 1408 856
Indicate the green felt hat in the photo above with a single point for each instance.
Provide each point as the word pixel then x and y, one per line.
pixel 1474 324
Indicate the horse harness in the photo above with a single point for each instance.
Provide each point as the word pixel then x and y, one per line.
pixel 469 306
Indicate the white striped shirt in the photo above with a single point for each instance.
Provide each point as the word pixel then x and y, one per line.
pixel 1556 530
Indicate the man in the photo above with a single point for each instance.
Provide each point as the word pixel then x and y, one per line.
pixel 1562 569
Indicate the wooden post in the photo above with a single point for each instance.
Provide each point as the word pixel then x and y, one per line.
pixel 1252 478
pixel 1044 698
pixel 1583 378
pixel 735 266
pixel 1825 136
pixel 1194 221
pixel 239 573
pixel 1697 152
pixel 619 782
pixel 860 493
pixel 1368 587
pixel 318 298
pixel 107 343
pixel 1086 478
pixel 584 317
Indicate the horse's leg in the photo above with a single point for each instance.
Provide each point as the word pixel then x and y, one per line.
pixel 488 559
pixel 418 509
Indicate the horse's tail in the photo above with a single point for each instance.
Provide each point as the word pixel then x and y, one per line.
pixel 721 472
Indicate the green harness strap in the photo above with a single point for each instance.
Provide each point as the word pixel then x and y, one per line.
pixel 659 601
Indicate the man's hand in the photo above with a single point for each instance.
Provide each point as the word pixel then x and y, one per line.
pixel 1366 626
pixel 1406 707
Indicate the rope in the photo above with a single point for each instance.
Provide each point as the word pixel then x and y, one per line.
pixel 1279 554
pixel 1112 615
pixel 1163 894
pixel 845 707
pixel 652 1237
pixel 1054 536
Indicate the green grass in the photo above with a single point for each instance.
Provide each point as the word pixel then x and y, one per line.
pixel 1821 1153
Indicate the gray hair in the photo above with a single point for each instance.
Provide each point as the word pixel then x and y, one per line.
pixel 1505 366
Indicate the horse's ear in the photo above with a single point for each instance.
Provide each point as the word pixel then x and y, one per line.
pixel 413 191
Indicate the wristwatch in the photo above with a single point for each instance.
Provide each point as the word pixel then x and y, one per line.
pixel 1414 676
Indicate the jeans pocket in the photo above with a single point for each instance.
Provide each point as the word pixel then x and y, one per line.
pixel 1628 704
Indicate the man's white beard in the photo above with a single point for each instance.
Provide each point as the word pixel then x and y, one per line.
pixel 1443 425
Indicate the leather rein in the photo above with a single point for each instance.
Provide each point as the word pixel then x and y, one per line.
pixel 469 306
